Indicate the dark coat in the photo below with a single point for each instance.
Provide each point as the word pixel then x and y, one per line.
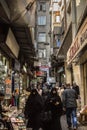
pixel 0 108
pixel 54 104
pixel 69 98
pixel 33 109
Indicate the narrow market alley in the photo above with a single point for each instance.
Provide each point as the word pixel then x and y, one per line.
pixel 43 64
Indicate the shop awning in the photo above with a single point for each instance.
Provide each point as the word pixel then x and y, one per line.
pixel 23 36
pixel 14 15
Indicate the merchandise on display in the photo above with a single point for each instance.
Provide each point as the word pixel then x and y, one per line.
pixel 16 117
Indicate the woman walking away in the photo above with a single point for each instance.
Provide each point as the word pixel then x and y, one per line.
pixel 54 104
pixel 33 109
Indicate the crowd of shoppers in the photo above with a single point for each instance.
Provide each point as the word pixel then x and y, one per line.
pixel 55 101
pixel 45 106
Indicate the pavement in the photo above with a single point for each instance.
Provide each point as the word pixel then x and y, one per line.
pixel 64 124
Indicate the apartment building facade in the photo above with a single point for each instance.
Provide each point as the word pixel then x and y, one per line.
pixel 74 43
pixel 42 34
pixel 56 32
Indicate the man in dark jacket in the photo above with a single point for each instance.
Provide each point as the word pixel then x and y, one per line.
pixel 70 104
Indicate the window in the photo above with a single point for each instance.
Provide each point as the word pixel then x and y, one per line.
pixel 42 37
pixel 41 20
pixel 56 7
pixel 58 42
pixel 42 6
pixel 42 53
pixel 57 19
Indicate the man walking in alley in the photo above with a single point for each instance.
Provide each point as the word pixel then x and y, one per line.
pixel 70 105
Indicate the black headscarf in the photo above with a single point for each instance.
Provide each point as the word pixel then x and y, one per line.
pixel 33 104
pixel 33 109
pixel 53 92
pixel 51 102
pixel 34 92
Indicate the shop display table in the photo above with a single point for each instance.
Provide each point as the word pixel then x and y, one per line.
pixel 18 124
pixel 16 118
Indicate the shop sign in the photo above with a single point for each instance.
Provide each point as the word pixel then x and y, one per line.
pixel 78 44
pixel 8 86
pixel 8 81
pixel 40 73
pixel 36 63
pixel 44 68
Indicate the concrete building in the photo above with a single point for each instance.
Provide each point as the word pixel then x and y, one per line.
pixel 73 47
pixel 77 53
pixel 42 33
pixel 56 32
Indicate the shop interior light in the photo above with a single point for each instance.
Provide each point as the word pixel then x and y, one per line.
pixel 0 62
pixel 5 68
pixel 24 68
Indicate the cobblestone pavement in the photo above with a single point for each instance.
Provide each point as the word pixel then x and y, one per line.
pixel 64 124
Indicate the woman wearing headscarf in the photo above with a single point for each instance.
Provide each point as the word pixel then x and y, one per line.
pixel 33 108
pixel 54 104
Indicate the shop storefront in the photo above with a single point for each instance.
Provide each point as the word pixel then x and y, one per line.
pixel 11 80
pixel 61 76
pixel 83 64
pixel 5 75
pixel 77 56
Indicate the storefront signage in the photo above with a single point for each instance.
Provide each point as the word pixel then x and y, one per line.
pixel 78 44
pixel 40 73
pixel 8 81
pixel 12 43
